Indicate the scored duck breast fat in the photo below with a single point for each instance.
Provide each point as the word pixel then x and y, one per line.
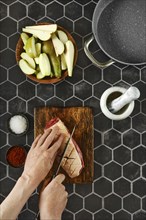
pixel 72 162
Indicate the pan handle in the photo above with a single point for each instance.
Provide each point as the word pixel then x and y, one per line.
pixel 90 56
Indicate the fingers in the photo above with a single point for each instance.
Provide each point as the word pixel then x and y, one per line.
pixel 36 141
pixel 59 178
pixel 43 137
pixel 54 148
pixel 48 141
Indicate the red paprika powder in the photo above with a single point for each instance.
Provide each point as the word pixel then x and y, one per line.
pixel 16 156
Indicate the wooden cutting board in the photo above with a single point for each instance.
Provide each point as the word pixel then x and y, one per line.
pixel 83 117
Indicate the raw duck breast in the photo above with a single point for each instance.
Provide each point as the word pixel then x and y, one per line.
pixel 72 162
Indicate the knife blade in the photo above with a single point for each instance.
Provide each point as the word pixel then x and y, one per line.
pixel 64 151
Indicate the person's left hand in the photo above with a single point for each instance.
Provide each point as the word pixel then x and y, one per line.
pixel 42 155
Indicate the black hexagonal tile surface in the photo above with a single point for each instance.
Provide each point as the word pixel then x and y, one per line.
pixel 118 191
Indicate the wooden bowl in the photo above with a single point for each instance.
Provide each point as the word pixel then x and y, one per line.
pixel 47 79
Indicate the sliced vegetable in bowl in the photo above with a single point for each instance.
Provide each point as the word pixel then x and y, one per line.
pixel 49 60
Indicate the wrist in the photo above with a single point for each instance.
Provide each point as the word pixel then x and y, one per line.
pixel 49 216
pixel 29 181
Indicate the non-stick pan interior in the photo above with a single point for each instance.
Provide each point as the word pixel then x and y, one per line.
pixel 121 30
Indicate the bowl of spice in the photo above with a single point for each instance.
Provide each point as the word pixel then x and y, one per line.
pixel 16 156
pixel 18 124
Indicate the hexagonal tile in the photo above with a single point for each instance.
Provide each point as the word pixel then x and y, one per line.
pixel 15 173
pixel 122 155
pixel 122 125
pixel 99 88
pixel 55 102
pixel 136 109
pixel 122 215
pixel 142 88
pixel 139 187
pixel 112 74
pixel 94 104
pixel 3 153
pixel 33 203
pixel 66 23
pixel 82 2
pixel 17 11
pixel 3 74
pixel 112 170
pixel 97 171
pixel 8 26
pixel 35 102
pixel 144 106
pixel 143 74
pixel 3 169
pixel 3 106
pixel 92 74
pixel 82 60
pixel 25 22
pixel 26 214
pixel 97 138
pixel 8 1
pixel 2 198
pixel 3 42
pixel 131 203
pixel 131 171
pixel 16 140
pixel 73 102
pixel 144 203
pixel 7 55
pixel 17 105
pixel 26 90
pixel 110 141
pixel 122 187
pixel 89 9
pixel 83 215
pixel 139 155
pixel 102 187
pixel 131 74
pixel 103 214
pixel 64 90
pixel 52 8
pixel 69 188
pixel 5 89
pixel 80 25
pixel 75 203
pixel 102 154
pixel 112 203
pixel 102 123
pixel 13 39
pixel 139 122
pixel 83 191
pixel 45 91
pixel 6 186
pixel 4 122
pixel 141 215
pixel 83 90
pixel 131 138
pixel 3 8
pixel 77 75
pixel 16 75
pixel 144 171
pixel 93 203
pixel 36 10
pixel 67 215
pixel 144 138
pixel 78 40
pixel 73 10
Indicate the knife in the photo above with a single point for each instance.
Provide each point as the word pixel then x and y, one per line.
pixel 64 151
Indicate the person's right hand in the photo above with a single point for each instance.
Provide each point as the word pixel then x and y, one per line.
pixel 53 199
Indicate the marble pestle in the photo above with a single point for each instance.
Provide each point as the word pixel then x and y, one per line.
pixel 131 94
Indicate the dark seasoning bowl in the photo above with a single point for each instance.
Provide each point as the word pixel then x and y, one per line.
pixel 27 124
pixel 16 156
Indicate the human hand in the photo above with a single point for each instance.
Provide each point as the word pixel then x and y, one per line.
pixel 53 199
pixel 42 154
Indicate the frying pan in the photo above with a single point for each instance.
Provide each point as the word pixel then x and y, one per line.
pixel 119 28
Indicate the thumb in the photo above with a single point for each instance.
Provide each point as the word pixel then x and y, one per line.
pixel 59 178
